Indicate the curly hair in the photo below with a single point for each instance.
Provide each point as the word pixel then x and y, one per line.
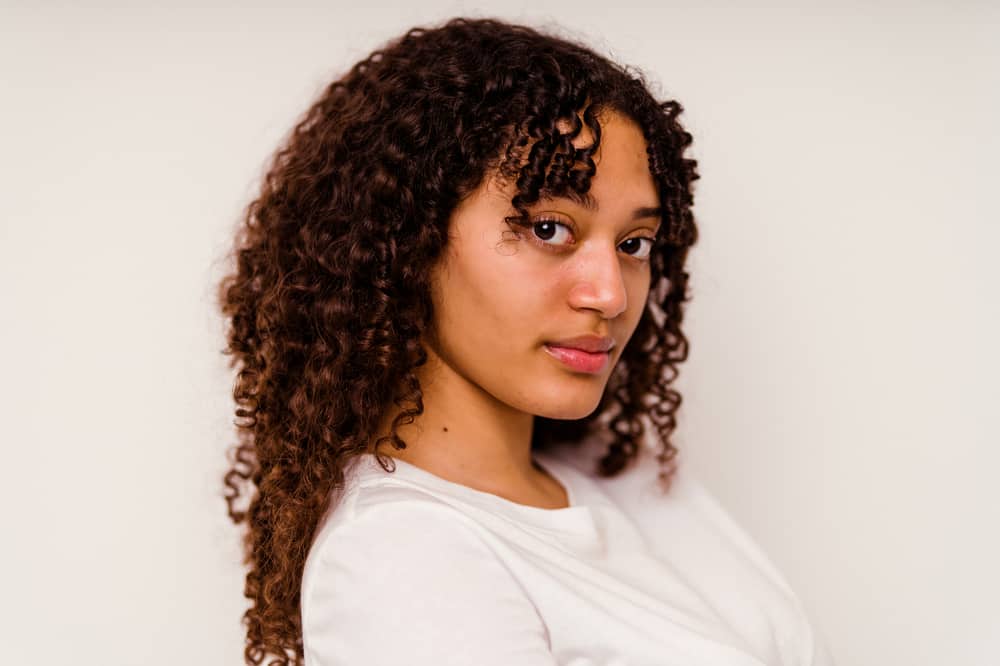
pixel 329 292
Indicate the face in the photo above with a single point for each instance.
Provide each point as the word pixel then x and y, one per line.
pixel 500 295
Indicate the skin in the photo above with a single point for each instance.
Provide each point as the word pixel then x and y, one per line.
pixel 500 295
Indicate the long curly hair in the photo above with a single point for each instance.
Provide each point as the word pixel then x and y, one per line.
pixel 329 292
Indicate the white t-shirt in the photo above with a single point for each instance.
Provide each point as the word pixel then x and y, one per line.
pixel 410 568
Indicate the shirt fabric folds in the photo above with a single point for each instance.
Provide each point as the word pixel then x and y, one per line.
pixel 409 568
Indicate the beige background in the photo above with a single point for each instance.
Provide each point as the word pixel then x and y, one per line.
pixel 844 321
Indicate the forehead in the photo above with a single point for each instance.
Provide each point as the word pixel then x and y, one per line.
pixel 622 169
pixel 623 148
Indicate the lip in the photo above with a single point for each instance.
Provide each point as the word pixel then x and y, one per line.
pixel 587 343
pixel 578 359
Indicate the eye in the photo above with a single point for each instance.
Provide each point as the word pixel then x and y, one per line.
pixel 547 229
pixel 637 241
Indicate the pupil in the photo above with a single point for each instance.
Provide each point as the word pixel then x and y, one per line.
pixel 545 224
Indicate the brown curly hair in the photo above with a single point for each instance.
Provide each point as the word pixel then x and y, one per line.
pixel 329 293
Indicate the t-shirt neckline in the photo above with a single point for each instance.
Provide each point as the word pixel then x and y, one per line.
pixel 547 462
pixel 572 528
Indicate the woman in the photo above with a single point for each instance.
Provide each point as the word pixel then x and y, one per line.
pixel 456 314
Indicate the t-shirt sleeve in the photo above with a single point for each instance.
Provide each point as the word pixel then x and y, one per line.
pixel 410 582
pixel 794 627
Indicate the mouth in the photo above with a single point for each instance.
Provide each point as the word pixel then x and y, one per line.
pixel 579 360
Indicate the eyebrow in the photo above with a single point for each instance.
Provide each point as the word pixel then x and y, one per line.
pixel 587 200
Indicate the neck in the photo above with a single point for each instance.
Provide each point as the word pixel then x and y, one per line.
pixel 467 436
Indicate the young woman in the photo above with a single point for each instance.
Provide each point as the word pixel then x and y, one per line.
pixel 456 315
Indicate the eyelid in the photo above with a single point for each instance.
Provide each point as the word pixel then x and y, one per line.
pixel 547 217
pixel 568 221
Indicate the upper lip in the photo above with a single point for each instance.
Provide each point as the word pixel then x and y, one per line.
pixel 588 343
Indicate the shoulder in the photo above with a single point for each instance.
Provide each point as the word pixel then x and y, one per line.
pixel 397 576
pixel 374 523
pixel 372 520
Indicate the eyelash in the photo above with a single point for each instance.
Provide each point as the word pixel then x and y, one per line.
pixel 550 248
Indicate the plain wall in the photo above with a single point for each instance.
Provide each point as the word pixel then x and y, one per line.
pixel 844 320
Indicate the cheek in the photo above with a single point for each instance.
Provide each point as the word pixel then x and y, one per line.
pixel 492 300
pixel 638 296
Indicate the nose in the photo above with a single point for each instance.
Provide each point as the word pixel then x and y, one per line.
pixel 599 284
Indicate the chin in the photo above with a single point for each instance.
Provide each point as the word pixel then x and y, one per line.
pixel 571 403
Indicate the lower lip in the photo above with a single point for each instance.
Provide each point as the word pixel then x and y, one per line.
pixel 580 360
